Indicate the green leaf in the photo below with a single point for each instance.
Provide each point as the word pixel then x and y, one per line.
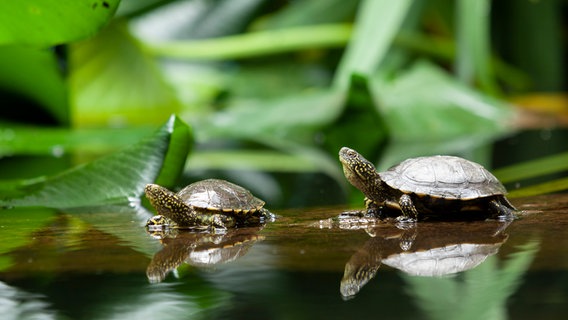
pixel 360 126
pixel 180 144
pixel 541 188
pixel 35 74
pixel 529 169
pixel 473 43
pixel 299 13
pixel 255 43
pixel 377 23
pixel 285 116
pixel 51 22
pixel 18 139
pixel 426 104
pixel 116 178
pixel 113 82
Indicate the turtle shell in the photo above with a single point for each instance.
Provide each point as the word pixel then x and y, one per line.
pixel 220 195
pixel 445 177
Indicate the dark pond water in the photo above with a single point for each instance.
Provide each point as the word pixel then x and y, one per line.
pixel 101 264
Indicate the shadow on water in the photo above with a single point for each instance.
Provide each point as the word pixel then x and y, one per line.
pixel 101 263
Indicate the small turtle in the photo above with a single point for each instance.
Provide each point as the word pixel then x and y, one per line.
pixel 205 204
pixel 440 186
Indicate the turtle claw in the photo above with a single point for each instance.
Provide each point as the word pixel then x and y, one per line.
pixel 402 219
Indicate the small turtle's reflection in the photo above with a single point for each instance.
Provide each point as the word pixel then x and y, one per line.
pixel 199 249
pixel 429 249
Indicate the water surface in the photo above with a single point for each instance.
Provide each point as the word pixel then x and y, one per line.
pixel 100 263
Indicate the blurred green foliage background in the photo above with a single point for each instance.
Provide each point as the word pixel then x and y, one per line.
pixel 274 87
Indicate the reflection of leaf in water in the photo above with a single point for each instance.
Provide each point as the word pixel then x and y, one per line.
pixel 479 293
pixel 17 226
pixel 123 222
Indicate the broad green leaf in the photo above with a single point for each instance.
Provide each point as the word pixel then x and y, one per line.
pixel 425 104
pixel 272 82
pixel 113 82
pixel 377 23
pixel 299 13
pixel 178 147
pixel 285 116
pixel 51 22
pixel 201 19
pixel 133 7
pixel 116 178
pixel 34 74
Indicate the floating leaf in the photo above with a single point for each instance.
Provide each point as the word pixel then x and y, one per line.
pixel 16 139
pixel 116 178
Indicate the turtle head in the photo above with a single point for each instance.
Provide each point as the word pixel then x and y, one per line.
pixel 360 172
pixel 164 201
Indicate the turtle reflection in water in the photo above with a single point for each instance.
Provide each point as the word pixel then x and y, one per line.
pixel 439 186
pixel 200 249
pixel 441 248
pixel 208 204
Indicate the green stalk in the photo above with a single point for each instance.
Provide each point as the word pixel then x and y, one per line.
pixel 473 61
pixel 256 43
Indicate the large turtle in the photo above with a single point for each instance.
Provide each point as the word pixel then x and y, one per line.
pixel 208 203
pixel 442 186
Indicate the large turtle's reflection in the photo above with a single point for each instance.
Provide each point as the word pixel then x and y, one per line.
pixel 427 249
pixel 199 249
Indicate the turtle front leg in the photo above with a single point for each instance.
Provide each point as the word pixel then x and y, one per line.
pixel 409 212
pixel 219 221
pixel 502 209
pixel 373 209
